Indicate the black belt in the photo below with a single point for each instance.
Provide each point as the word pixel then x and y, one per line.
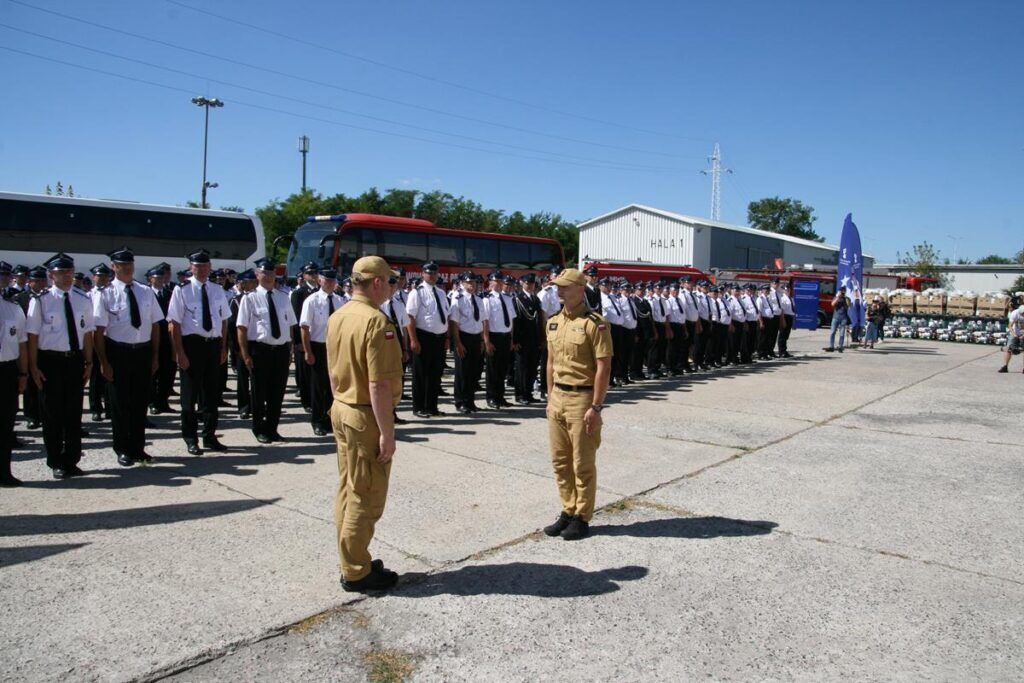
pixel 500 334
pixel 313 343
pixel 430 334
pixel 199 337
pixel 5 363
pixel 61 354
pixel 269 346
pixel 126 345
pixel 569 387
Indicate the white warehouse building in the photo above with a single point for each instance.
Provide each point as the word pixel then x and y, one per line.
pixel 645 234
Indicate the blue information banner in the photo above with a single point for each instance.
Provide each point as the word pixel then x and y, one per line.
pixel 805 302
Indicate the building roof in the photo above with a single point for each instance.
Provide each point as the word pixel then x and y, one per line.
pixel 693 220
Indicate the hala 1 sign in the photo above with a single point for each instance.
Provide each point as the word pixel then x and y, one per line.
pixel 850 273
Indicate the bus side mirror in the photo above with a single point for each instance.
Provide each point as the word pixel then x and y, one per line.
pixel 326 243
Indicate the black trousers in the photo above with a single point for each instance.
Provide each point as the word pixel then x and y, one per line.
pixel 467 370
pixel 768 335
pixel 526 360
pixel 200 385
pixel 544 367
pixel 784 335
pixel 749 341
pixel 677 348
pixel 269 381
pixel 657 350
pixel 691 337
pixel 641 349
pixel 628 344
pixel 302 376
pixel 30 403
pixel 427 366
pixel 718 344
pixel 97 389
pixel 61 401
pixel 618 348
pixel 8 411
pixel 320 397
pixel 166 368
pixel 129 395
pixel 243 383
pixel 701 340
pixel 735 345
pixel 497 365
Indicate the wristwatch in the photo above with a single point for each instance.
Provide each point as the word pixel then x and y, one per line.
pixel 596 408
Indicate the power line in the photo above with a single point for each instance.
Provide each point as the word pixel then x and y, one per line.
pixel 340 88
pixel 320 105
pixel 252 105
pixel 426 77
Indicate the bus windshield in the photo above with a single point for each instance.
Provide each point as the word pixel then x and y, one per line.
pixel 305 246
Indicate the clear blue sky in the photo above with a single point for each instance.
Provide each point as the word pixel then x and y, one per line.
pixel 908 114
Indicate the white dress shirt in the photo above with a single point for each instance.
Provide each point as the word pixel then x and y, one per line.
pixel 423 305
pixel 468 312
pixel 549 302
pixel 692 311
pixel 736 309
pixel 186 308
pixel 394 309
pixel 786 304
pixel 254 316
pixel 494 303
pixel 628 308
pixel 749 310
pixel 773 301
pixel 703 312
pixel 659 311
pixel 316 309
pixel 722 310
pixel 677 308
pixel 764 308
pixel 46 318
pixel 112 311
pixel 611 309
pixel 12 330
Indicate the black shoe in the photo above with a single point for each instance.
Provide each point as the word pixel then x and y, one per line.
pixel 523 402
pixel 9 481
pixel 154 410
pixel 613 383
pixel 17 443
pixel 263 438
pixel 576 530
pixel 787 355
pixel 245 415
pixel 75 471
pixel 308 410
pixel 406 397
pixel 463 410
pixel 124 460
pixel 278 438
pixel 377 580
pixel 193 448
pixel 442 392
pixel 33 424
pixel 150 424
pixel 473 408
pixel 827 348
pixel 97 417
pixel 60 474
pixel 1002 369
pixel 144 457
pixel 560 524
pixel 164 408
pixel 503 403
pixel 421 413
pixel 319 431
pixel 493 405
pixel 436 413
pixel 400 421
pixel 839 350
pixel 223 404
pixel 211 444
pixel 83 432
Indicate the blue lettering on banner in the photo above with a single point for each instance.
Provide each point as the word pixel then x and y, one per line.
pixel 805 303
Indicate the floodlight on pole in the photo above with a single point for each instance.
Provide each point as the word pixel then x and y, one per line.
pixel 206 103
pixel 304 150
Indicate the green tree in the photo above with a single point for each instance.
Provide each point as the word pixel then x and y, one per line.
pixel 924 259
pixel 785 216
pixel 235 209
pixel 1017 286
pixel 994 259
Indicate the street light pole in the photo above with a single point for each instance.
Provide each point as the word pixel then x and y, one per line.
pixel 304 150
pixel 206 103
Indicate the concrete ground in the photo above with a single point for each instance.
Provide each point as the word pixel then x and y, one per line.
pixel 832 516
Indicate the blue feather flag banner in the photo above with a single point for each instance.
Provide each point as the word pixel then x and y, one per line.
pixel 850 273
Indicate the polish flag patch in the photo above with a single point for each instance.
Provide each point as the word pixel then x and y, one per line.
pixel 601 328
pixel 388 334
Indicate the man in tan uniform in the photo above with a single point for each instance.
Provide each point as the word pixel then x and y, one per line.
pixel 579 367
pixel 364 361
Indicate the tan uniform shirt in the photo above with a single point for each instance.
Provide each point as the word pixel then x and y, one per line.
pixel 361 348
pixel 575 341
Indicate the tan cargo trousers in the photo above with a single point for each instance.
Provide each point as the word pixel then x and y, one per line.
pixel 362 486
pixel 573 451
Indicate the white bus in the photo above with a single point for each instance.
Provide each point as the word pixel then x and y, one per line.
pixel 34 227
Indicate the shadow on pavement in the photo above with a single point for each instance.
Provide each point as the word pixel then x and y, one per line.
pixel 72 522
pixel 687 527
pixel 518 578
pixel 30 553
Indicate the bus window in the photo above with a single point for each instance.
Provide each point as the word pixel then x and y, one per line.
pixel 403 246
pixel 445 250
pixel 515 255
pixel 481 253
pixel 543 256
pixel 305 246
pixel 828 287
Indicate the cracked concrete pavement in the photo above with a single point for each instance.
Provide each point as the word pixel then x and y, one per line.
pixel 830 516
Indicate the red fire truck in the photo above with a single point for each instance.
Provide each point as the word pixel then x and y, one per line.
pixel 636 271
pixel 338 240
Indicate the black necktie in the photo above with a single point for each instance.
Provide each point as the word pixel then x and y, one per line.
pixel 330 305
pixel 476 309
pixel 133 307
pixel 504 311
pixel 69 316
pixel 615 306
pixel 394 319
pixel 440 311
pixel 679 302
pixel 632 308
pixel 275 324
pixel 661 306
pixel 207 320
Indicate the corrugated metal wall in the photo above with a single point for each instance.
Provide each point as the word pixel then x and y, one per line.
pixel 732 249
pixel 799 254
pixel 638 235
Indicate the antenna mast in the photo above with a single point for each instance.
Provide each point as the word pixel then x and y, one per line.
pixel 716 182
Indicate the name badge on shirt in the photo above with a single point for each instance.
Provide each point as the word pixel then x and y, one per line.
pixel 13 331
pixel 552 326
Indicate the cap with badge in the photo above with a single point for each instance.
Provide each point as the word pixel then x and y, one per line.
pixel 5 268
pixel 509 280
pixel 428 267
pixel 60 261
pixel 266 264
pixel 592 271
pixel 101 269
pixel 495 276
pixel 122 255
pixel 329 274
pixel 201 256
pixel 310 267
pixel 37 273
pixel 184 273
pixel 528 278
pixel 570 276
pixel 247 275
pixel 20 270
pixel 155 271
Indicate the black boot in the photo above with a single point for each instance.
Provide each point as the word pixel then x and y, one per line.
pixel 576 530
pixel 559 526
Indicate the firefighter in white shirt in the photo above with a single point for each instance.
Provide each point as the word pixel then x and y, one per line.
pixel 781 294
pixel 678 348
pixel 317 308
pixel 750 324
pixel 468 314
pixel 550 304
pixel 768 326
pixel 613 314
pixel 427 309
pixel 660 315
pixel 497 332
pixel 13 381
pixel 738 326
